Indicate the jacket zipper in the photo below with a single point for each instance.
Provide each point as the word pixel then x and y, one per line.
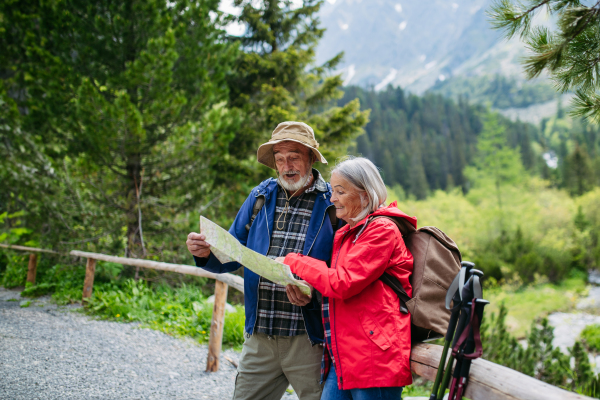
pixel 258 285
pixel 339 363
pixel 319 231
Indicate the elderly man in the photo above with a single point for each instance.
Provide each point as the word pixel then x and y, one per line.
pixel 284 332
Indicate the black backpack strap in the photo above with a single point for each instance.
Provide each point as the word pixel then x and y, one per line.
pixel 332 217
pixel 258 204
pixel 396 286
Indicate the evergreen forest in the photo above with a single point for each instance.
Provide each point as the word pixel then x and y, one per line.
pixel 424 143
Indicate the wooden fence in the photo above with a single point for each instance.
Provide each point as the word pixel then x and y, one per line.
pixel 487 381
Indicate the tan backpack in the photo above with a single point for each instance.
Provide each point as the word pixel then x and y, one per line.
pixel 436 263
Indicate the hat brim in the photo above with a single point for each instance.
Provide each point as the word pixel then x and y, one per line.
pixel 264 155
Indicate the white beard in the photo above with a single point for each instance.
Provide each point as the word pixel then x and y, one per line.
pixel 295 186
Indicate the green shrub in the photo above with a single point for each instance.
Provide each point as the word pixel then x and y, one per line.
pixel 591 337
pixel 38 290
pixel 3 264
pixel 539 359
pixel 180 312
pixel 15 273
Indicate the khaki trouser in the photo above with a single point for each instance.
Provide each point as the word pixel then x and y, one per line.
pixel 269 364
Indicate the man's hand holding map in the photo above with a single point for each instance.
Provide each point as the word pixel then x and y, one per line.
pixel 227 248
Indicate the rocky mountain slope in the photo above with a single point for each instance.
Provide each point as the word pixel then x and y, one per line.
pixel 415 44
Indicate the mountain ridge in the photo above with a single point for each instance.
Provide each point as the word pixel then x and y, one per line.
pixel 415 44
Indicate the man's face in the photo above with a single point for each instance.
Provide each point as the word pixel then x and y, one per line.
pixel 293 162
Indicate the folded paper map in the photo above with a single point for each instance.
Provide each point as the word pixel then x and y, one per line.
pixel 227 248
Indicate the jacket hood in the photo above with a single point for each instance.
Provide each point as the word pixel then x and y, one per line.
pixel 393 211
pixel 389 211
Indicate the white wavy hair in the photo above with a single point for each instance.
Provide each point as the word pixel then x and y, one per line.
pixel 365 177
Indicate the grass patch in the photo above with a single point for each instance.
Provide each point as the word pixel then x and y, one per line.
pixel 525 304
pixel 419 388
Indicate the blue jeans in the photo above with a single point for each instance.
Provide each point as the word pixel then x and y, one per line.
pixel 331 391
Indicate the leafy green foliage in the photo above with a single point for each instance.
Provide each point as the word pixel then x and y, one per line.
pixel 38 290
pixel 591 337
pixel 569 53
pixel 180 312
pixel 534 232
pixel 15 273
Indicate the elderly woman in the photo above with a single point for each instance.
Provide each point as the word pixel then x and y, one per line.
pixel 367 337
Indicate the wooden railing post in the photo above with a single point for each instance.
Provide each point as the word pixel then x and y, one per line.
pixel 32 268
pixel 88 283
pixel 216 327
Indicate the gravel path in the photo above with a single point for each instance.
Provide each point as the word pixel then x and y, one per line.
pixel 50 352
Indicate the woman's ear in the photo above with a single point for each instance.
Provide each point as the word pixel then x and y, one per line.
pixel 364 199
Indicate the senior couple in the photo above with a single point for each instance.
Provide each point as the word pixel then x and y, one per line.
pixel 348 340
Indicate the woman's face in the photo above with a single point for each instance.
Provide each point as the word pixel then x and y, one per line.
pixel 346 198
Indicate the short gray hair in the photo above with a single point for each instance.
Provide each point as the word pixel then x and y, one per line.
pixel 364 175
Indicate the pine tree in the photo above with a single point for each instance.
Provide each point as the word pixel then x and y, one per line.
pixel 569 53
pixel 276 78
pixel 495 160
pixel 417 179
pixel 578 173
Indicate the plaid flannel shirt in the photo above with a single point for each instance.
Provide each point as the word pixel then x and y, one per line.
pixel 275 314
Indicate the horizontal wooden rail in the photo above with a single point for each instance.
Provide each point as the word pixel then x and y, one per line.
pixel 30 249
pixel 234 281
pixel 489 381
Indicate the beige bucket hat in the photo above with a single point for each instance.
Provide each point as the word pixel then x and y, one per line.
pixel 293 131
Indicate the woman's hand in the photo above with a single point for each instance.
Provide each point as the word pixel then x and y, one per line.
pixel 296 296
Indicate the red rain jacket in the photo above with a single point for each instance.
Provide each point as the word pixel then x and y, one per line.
pixel 370 337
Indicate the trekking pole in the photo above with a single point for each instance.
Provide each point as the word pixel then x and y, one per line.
pixel 473 348
pixel 471 291
pixel 447 340
pixel 457 288
pixel 471 288
pixel 453 295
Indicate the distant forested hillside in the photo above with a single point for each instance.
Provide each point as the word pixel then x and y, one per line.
pixel 424 143
pixel 497 91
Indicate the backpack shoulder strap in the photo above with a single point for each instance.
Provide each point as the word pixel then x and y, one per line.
pixel 396 286
pixel 258 204
pixel 332 217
